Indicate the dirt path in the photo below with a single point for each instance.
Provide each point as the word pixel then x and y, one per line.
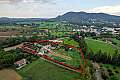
pixel 9 74
pixel 13 47
pixel 97 73
pixel 62 56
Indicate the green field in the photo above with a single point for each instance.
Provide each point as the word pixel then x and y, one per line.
pixel 59 34
pixel 75 57
pixel 116 41
pixel 42 70
pixel 97 45
pixel 71 42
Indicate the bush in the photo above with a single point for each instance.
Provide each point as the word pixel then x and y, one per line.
pixel 109 70
pixel 114 67
pixel 116 72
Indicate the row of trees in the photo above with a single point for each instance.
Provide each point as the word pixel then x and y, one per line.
pixel 7 59
pixel 79 37
pixel 104 58
pixel 17 40
pixel 99 56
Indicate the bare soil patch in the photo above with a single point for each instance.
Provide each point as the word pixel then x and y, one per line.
pixel 9 33
pixel 9 74
pixel 63 56
pixel 13 47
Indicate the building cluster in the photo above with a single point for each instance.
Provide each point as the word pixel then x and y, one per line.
pixel 92 29
pixel 114 31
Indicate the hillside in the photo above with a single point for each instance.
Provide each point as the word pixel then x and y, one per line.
pixel 14 20
pixel 83 17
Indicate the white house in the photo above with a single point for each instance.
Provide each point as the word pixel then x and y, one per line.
pixel 21 63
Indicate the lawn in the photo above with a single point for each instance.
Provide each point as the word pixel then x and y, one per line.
pixel 97 45
pixel 42 70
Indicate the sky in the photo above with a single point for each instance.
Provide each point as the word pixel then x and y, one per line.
pixel 53 8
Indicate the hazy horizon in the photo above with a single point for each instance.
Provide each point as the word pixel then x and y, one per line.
pixel 56 16
pixel 53 8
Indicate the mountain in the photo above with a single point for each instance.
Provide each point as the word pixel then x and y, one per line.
pixel 83 17
pixel 72 17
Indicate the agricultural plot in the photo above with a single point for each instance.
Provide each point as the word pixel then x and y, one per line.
pixel 97 45
pixel 47 24
pixel 42 70
pixel 71 57
pixel 116 41
pixel 71 42
pixel 8 34
pixel 9 74
pixel 58 52
pixel 59 34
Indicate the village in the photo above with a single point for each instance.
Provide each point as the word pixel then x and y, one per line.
pixel 98 31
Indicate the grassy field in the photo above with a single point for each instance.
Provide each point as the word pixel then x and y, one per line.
pixel 71 42
pixel 72 57
pixel 97 45
pixel 42 70
pixel 76 58
pixel 47 24
pixel 116 41
pixel 59 34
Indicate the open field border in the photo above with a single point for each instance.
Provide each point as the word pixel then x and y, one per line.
pixel 31 51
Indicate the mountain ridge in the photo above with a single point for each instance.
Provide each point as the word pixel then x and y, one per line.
pixel 72 17
pixel 84 17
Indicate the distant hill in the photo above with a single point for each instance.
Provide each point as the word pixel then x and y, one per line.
pixel 83 17
pixel 14 20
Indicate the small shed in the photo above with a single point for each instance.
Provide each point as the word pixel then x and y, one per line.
pixel 21 63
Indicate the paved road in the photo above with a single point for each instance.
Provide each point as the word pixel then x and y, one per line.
pixel 97 73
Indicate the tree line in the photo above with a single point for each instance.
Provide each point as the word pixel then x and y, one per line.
pixel 7 59
pixel 104 58
pixel 100 56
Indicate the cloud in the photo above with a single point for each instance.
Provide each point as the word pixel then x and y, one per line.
pixel 114 10
pixel 47 8
pixel 28 1
pixel 28 9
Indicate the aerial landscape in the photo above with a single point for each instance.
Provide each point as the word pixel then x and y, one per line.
pixel 59 40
